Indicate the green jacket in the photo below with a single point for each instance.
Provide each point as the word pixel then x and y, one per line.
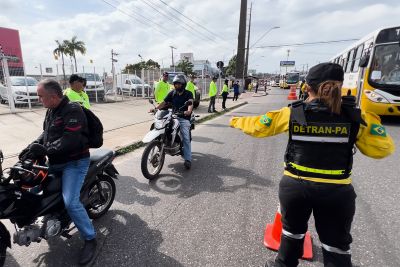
pixel 82 98
pixel 190 87
pixel 213 89
pixel 161 91
pixel 225 89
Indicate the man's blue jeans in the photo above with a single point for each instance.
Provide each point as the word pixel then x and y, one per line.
pixel 185 132
pixel 73 175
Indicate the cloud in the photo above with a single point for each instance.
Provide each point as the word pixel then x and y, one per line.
pixel 108 28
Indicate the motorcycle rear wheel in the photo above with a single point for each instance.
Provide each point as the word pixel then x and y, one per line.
pixel 156 160
pixel 99 206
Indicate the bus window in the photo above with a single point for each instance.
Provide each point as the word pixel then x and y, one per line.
pixel 357 58
pixel 386 66
pixel 349 60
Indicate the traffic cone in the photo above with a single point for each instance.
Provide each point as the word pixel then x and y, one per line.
pixel 292 94
pixel 273 232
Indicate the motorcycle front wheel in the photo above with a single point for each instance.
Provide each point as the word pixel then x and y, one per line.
pixel 152 160
pixel 101 203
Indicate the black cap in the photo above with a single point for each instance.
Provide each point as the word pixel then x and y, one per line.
pixel 325 72
pixel 74 78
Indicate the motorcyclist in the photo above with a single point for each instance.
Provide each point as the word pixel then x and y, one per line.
pixel 177 99
pixel 64 136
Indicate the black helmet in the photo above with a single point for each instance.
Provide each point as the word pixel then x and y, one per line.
pixel 179 79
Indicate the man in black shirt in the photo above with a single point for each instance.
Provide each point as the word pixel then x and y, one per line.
pixel 177 99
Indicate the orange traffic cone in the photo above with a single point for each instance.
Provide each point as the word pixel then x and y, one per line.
pixel 292 94
pixel 272 237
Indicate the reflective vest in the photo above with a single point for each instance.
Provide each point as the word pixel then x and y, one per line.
pixel 190 87
pixel 213 89
pixel 320 143
pixel 161 91
pixel 81 97
pixel 225 89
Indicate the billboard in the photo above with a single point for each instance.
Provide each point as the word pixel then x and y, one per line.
pixel 287 63
pixel 10 42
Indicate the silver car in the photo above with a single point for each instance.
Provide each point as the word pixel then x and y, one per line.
pixel 22 89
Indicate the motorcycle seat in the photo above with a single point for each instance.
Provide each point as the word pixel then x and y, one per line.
pixel 99 154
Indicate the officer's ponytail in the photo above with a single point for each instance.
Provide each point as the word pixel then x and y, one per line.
pixel 329 92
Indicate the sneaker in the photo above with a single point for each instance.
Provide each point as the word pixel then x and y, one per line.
pixel 187 164
pixel 88 251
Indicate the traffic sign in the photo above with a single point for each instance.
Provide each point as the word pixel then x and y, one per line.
pixel 287 63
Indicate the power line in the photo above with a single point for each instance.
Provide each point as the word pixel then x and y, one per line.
pixel 195 31
pixel 140 21
pixel 201 26
pixel 311 43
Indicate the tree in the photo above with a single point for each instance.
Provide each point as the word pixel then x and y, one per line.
pixel 74 46
pixel 147 65
pixel 186 66
pixel 231 68
pixel 61 50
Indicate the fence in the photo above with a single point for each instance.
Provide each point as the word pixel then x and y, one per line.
pixel 18 83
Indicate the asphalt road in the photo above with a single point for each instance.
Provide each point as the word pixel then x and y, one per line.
pixel 215 214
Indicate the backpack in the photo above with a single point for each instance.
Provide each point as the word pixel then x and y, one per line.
pixel 95 128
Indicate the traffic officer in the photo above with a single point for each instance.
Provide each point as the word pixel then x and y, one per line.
pixel 224 93
pixel 162 89
pixel 212 94
pixel 76 92
pixel 318 162
pixel 191 87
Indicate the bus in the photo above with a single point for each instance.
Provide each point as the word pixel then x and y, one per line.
pixel 372 71
pixel 291 78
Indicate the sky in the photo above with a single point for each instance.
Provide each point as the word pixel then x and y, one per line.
pixel 207 28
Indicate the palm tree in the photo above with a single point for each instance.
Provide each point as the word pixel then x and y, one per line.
pixel 61 50
pixel 73 46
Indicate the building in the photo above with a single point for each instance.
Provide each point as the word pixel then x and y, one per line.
pixel 11 46
pixel 203 67
pixel 187 56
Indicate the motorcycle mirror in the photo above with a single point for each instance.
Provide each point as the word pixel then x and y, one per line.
pixel 38 150
pixel 151 101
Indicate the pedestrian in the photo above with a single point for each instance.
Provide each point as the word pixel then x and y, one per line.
pixel 235 91
pixel 212 94
pixel 162 89
pixel 318 161
pixel 224 93
pixel 191 86
pixel 302 89
pixel 256 88
pixel 76 92
pixel 65 137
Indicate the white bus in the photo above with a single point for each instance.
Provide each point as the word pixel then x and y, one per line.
pixel 372 71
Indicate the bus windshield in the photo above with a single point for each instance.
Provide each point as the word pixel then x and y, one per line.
pixel 385 68
pixel 293 77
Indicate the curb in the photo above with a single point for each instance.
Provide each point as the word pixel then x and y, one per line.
pixel 136 145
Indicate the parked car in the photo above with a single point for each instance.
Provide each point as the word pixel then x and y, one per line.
pixel 132 85
pixel 22 89
pixel 94 86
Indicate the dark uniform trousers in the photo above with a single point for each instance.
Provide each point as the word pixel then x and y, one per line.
pixel 211 106
pixel 333 206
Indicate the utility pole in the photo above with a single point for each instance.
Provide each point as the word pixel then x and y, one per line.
pixel 113 60
pixel 172 50
pixel 246 65
pixel 287 58
pixel 241 40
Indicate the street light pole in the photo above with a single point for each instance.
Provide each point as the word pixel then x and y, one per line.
pixel 172 50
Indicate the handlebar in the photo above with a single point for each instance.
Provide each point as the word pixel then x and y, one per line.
pixel 41 168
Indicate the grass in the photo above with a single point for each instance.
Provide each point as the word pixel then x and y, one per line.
pixel 132 147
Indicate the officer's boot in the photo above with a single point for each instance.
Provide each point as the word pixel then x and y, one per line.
pixel 290 252
pixel 332 259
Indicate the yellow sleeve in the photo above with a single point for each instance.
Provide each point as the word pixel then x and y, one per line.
pixel 373 140
pixel 271 123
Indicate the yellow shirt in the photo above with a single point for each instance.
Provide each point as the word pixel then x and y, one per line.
pixel 81 97
pixel 190 87
pixel 372 140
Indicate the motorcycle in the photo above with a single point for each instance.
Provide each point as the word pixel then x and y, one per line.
pixel 30 197
pixel 164 138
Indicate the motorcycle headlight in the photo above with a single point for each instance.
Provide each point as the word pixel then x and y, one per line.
pixel 159 124
pixel 375 97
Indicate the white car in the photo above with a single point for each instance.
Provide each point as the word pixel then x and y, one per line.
pixel 94 86
pixel 132 85
pixel 22 89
